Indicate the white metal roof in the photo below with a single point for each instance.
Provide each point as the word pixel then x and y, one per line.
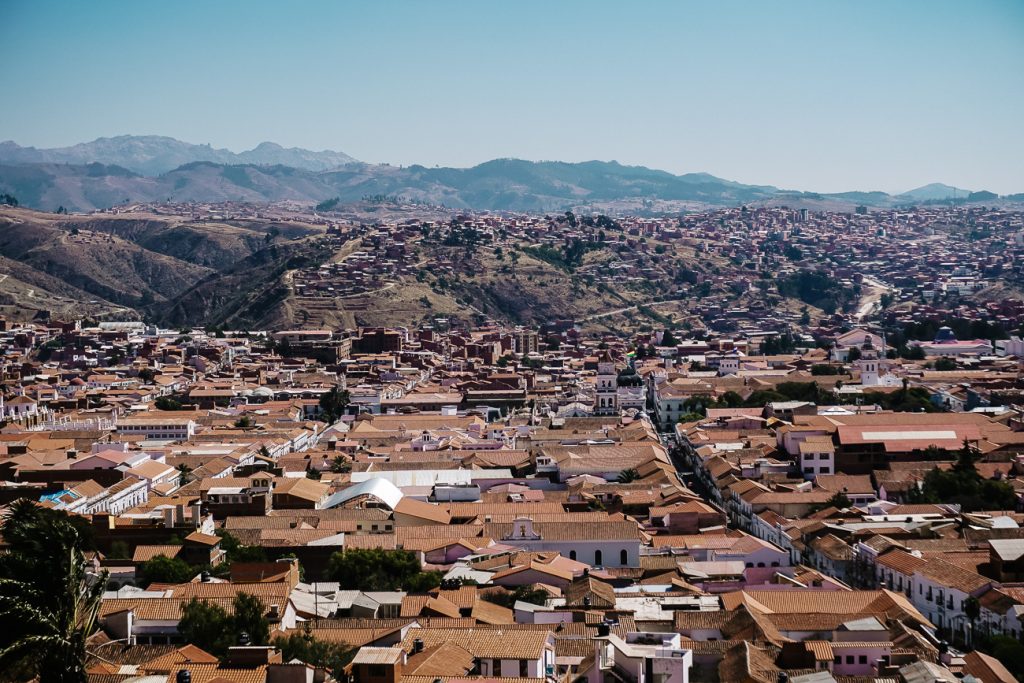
pixel 378 487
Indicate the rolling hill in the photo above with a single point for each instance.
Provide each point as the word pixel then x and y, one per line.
pixel 125 170
pixel 156 154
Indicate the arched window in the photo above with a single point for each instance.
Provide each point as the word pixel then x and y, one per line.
pixel 572 554
pixel 597 557
pixel 623 557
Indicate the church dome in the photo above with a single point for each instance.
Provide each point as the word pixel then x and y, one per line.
pixel 945 334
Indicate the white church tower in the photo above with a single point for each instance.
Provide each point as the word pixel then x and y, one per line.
pixel 607 386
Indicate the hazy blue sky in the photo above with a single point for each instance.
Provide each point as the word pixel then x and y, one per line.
pixel 812 95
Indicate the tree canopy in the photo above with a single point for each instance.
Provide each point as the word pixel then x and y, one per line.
pixel 163 569
pixel 49 600
pixel 209 626
pixel 307 648
pixel 376 569
pixel 963 485
pixel 333 404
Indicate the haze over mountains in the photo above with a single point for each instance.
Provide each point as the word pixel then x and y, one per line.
pixel 127 169
pixel 156 154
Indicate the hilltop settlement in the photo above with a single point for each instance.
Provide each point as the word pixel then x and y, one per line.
pixel 793 451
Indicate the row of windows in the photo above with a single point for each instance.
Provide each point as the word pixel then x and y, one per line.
pixel 812 456
pixel 861 659
pixel 599 556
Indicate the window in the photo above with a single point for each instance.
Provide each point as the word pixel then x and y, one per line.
pixel 862 659
pixel 597 557
pixel 838 659
pixel 572 554
pixel 849 659
pixel 524 669
pixel 495 667
pixel 623 557
pixel 826 470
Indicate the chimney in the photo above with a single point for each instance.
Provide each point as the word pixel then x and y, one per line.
pixel 197 515
pixel 603 630
pixel 275 612
pixel 179 513
pixel 72 453
pixel 168 518
pixel 184 676
pixel 417 645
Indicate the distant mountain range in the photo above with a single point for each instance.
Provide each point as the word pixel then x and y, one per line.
pixel 156 154
pixel 127 169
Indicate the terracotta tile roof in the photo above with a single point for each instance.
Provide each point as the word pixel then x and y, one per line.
pixel 948 574
pixel 987 668
pixel 901 561
pixel 821 649
pixel 356 637
pixel 445 659
pixel 487 642
pixel 415 605
pixel 560 531
pixel 144 553
pixel 208 673
pixel 172 661
pixel 855 602
pixel 489 613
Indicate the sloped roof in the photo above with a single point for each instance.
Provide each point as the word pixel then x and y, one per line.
pixel 381 489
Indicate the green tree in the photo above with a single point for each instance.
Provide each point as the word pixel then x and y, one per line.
pixel 206 625
pixel 245 422
pixel 972 610
pixel 209 626
pixel 48 599
pixel 627 475
pixel 236 551
pixel 328 204
pixel 167 403
pixel 423 582
pixel 373 569
pixel 184 471
pixel 340 464
pixel 163 569
pixel 251 618
pixel 963 485
pixel 729 399
pixel 1010 652
pixel 333 404
pixel 945 364
pixel 506 598
pixel 306 648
